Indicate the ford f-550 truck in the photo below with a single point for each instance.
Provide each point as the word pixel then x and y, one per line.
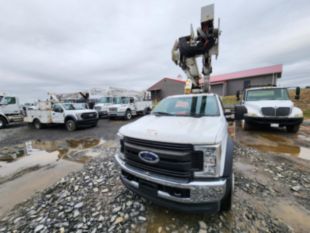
pixel 180 156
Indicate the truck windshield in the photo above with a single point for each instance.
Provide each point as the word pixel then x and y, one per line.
pixel 195 106
pixel 267 94
pixel 105 100
pixel 120 100
pixel 69 107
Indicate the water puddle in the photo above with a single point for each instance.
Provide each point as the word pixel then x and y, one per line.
pixel 67 149
pixel 272 140
pixel 25 169
pixel 164 220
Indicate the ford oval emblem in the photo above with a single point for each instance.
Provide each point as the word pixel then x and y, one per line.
pixel 149 157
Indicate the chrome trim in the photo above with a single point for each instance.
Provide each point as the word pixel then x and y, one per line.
pixel 200 191
pixel 132 183
pixel 158 151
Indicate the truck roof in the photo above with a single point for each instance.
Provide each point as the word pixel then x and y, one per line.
pixel 259 88
pixel 192 95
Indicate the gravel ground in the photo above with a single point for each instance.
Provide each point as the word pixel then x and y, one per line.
pixel 93 200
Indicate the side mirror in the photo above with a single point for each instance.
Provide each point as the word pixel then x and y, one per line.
pixel 238 95
pixel 297 93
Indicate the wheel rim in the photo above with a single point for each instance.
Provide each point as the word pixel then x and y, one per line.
pixel 37 125
pixel 70 125
pixel 129 115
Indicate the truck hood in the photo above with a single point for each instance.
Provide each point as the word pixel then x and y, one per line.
pixel 172 129
pixel 81 111
pixel 269 103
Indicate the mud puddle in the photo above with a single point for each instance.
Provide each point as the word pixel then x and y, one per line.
pixel 35 165
pixel 273 140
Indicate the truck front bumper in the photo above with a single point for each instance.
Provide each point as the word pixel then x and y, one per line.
pixel 117 114
pixel 87 123
pixel 103 113
pixel 282 121
pixel 193 196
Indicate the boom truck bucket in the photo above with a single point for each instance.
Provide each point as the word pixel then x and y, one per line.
pixel 204 44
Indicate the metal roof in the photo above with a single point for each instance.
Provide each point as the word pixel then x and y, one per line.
pixel 219 79
pixel 275 69
pixel 160 83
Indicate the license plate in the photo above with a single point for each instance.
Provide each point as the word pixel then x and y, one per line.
pixel 274 125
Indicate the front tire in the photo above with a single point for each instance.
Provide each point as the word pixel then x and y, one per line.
pixel 292 128
pixel 70 125
pixel 37 124
pixel 247 126
pixel 128 115
pixel 3 123
pixel 226 203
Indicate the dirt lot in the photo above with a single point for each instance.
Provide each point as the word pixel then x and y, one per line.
pixel 82 191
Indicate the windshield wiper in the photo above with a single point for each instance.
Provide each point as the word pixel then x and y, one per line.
pixel 162 114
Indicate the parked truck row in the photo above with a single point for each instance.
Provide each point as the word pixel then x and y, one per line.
pixel 69 113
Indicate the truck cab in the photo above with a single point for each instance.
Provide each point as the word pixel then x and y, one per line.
pixel 180 156
pixel 269 106
pixel 10 110
pixel 128 106
pixel 103 104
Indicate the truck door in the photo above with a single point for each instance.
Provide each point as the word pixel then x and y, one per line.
pixel 9 105
pixel 132 104
pixel 58 115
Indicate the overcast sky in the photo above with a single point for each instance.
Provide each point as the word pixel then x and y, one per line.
pixel 72 45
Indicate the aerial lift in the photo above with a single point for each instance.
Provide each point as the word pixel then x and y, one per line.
pixel 205 43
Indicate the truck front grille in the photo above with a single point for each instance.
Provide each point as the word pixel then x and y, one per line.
pixel 276 112
pixel 89 115
pixel 176 160
pixel 283 111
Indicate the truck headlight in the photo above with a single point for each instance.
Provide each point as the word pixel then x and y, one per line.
pixel 79 116
pixel 211 160
pixel 120 137
pixel 298 115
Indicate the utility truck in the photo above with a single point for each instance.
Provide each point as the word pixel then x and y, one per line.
pixel 10 110
pixel 68 114
pixel 103 104
pixel 128 106
pixel 269 106
pixel 180 156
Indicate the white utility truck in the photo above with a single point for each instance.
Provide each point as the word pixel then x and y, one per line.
pixel 68 114
pixel 269 106
pixel 10 110
pixel 103 104
pixel 129 106
pixel 180 156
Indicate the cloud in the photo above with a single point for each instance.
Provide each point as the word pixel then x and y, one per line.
pixel 75 45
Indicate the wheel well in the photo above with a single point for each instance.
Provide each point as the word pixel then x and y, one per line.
pixel 69 118
pixel 4 118
pixel 128 109
pixel 36 119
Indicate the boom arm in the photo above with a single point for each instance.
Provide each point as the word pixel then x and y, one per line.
pixel 186 49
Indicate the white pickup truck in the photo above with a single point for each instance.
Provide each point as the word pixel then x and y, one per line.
pixel 10 111
pixel 180 156
pixel 269 106
pixel 72 116
pixel 103 104
pixel 127 107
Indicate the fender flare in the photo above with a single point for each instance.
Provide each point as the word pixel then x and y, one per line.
pixel 70 117
pixel 4 117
